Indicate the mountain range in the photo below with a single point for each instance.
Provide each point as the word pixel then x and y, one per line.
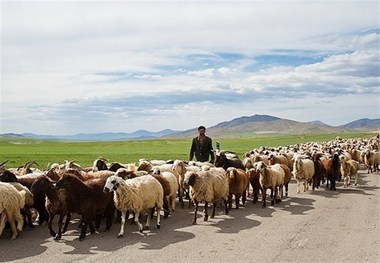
pixel 239 127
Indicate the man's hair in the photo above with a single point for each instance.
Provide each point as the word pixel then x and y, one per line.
pixel 201 127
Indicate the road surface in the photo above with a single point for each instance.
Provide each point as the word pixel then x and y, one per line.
pixel 316 226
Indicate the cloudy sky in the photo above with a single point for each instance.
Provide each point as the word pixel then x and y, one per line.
pixel 80 66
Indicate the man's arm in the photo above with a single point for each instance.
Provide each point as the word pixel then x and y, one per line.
pixel 192 150
pixel 211 152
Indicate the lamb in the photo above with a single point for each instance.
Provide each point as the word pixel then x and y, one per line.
pixel 136 195
pixel 271 177
pixel 208 186
pixel 348 168
pixel 303 171
pixel 238 181
pixel 11 202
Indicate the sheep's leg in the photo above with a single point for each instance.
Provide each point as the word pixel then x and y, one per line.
pixel 349 180
pixel 244 197
pixel 356 178
pixel 273 196
pixel 68 218
pixel 60 223
pixel 213 210
pixel 50 225
pixel 28 215
pixel 195 212
pixel 225 206
pixel 137 215
pixel 286 189
pixel 83 228
pixel 237 199
pixel 230 201
pixel 20 221
pixel 172 198
pixel 166 207
pixel 12 222
pixel 123 215
pixel 264 196
pixel 298 186
pixel 159 217
pixel 2 222
pixel 148 218
pixel 180 196
pixel 206 212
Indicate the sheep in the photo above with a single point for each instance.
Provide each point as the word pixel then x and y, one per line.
pixel 319 170
pixel 368 159
pixel 225 160
pixel 136 195
pixel 56 203
pixel 238 181
pixel 332 168
pixel 254 179
pixel 29 203
pixel 100 164
pixel 271 177
pixel 11 202
pixel 287 177
pixel 208 186
pixel 303 171
pixel 348 168
pixel 172 179
pixel 273 159
pixel 88 200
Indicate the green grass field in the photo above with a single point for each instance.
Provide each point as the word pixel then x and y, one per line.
pixel 19 151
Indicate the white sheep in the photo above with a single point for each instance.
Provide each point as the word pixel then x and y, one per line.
pixel 11 202
pixel 272 177
pixel 173 181
pixel 209 186
pixel 136 195
pixel 303 171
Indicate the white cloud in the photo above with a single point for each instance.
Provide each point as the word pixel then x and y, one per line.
pixel 193 61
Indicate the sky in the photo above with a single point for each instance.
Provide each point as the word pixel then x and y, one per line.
pixel 71 67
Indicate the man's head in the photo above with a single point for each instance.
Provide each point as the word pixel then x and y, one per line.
pixel 201 130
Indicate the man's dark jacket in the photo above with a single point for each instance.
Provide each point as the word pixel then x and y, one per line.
pixel 202 151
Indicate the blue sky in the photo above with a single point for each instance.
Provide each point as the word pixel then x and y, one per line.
pixel 71 67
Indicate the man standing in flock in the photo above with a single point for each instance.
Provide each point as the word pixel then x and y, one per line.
pixel 202 147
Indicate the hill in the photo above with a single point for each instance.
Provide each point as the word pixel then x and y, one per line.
pixel 265 124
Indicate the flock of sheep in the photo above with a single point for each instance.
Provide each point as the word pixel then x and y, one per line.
pixel 29 196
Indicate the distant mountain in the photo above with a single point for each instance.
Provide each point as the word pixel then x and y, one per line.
pixel 244 126
pixel 362 124
pixel 107 136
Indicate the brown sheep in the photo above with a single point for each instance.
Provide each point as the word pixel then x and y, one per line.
pixel 238 181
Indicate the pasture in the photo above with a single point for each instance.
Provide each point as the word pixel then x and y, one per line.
pixel 20 150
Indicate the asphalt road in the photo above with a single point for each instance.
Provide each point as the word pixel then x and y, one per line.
pixel 316 226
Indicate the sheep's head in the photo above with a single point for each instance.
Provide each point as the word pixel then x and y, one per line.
pixel 190 178
pixel 231 173
pixel 252 173
pixel 113 182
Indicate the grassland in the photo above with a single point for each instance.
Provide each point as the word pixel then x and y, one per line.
pixel 19 151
